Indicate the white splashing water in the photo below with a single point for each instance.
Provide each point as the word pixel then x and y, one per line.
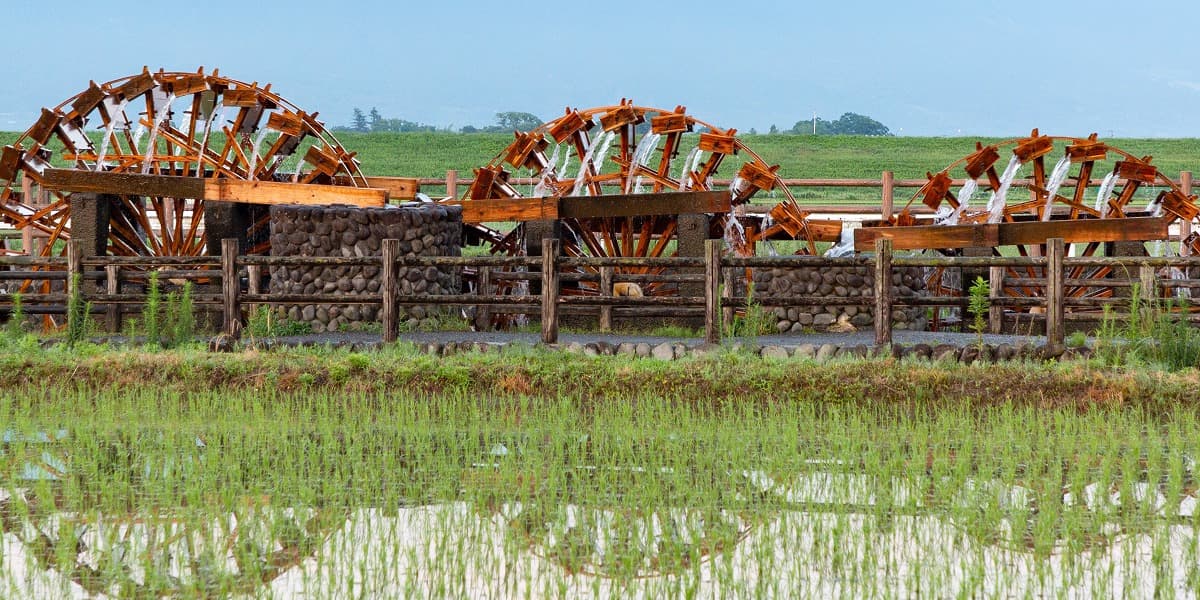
pixel 159 116
pixel 641 154
pixel 116 112
pixel 562 171
pixel 685 173
pixel 736 187
pixel 1057 176
pixel 735 233
pixel 586 164
pixel 999 198
pixel 1106 189
pixel 258 141
pixel 553 157
pixel 296 174
pixel 845 245
pixel 602 153
pixel 950 216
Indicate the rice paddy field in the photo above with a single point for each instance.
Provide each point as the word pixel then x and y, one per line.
pixel 532 474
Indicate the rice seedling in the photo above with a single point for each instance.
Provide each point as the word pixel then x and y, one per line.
pixel 191 493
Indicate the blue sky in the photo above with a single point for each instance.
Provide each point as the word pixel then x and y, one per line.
pixel 922 68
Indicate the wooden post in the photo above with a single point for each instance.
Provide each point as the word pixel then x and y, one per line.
pixel 230 288
pixel 112 277
pixel 1185 226
pixel 253 283
pixel 887 194
pixel 606 291
pixel 74 267
pixel 995 292
pixel 883 291
pixel 451 183
pixel 729 281
pixel 387 289
pixel 550 248
pixel 483 312
pixel 1147 289
pixel 712 285
pixel 1055 332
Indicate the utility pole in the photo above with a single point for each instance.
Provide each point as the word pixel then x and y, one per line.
pixel 814 122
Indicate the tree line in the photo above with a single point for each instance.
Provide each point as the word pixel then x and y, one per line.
pixel 373 121
pixel 509 121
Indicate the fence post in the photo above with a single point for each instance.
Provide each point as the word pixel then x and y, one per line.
pixel 253 284
pixel 995 292
pixel 883 291
pixel 230 288
pixel 112 276
pixel 729 278
pixel 1148 289
pixel 550 290
pixel 387 288
pixel 451 183
pixel 483 312
pixel 712 291
pixel 1055 332
pixel 606 291
pixel 887 194
pixel 1185 226
pixel 74 267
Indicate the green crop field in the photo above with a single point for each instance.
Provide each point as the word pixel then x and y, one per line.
pixel 799 157
pixel 431 154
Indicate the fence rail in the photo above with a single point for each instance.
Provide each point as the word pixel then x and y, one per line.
pixel 705 284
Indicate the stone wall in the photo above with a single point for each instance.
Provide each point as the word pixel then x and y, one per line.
pixel 339 231
pixel 837 283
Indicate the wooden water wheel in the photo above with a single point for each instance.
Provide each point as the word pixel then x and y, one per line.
pixel 629 149
pixel 165 123
pixel 1129 186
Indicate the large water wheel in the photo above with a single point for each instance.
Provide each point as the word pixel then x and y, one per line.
pixel 165 123
pixel 629 149
pixel 1130 186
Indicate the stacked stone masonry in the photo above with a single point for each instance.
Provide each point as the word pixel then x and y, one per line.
pixel 338 231
pixel 838 283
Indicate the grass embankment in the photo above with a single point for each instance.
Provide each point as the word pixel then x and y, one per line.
pixel 726 377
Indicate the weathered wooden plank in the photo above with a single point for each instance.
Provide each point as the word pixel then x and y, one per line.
pixel 398 188
pixel 1010 234
pixel 219 190
pixel 633 205
pixel 515 209
pixel 883 292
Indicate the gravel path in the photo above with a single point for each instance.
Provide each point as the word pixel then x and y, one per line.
pixel 501 337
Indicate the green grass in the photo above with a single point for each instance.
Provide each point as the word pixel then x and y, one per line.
pixel 398 474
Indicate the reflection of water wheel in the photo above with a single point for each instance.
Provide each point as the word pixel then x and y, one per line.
pixel 636 149
pixel 184 124
pixel 193 548
pixel 1124 183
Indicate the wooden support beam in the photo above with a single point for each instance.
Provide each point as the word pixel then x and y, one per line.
pixel 1012 234
pixel 398 188
pixel 230 289
pixel 995 293
pixel 587 207
pixel 550 250
pixel 634 205
pixel 606 290
pixel 217 190
pixel 514 209
pixel 387 289
pixel 1055 294
pixel 883 292
pixel 712 284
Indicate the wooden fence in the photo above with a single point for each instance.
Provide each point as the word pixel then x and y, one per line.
pixel 1052 283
